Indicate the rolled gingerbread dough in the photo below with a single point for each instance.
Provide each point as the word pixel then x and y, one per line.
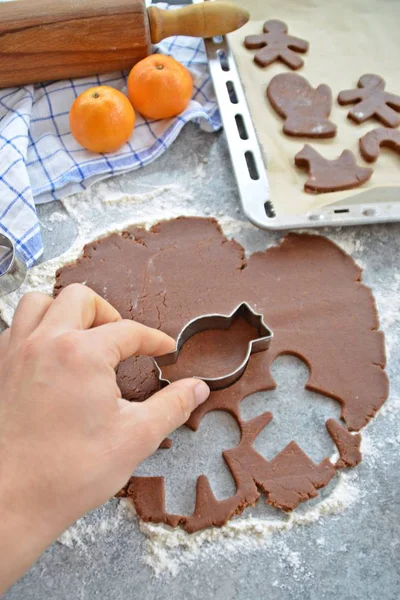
pixel 309 292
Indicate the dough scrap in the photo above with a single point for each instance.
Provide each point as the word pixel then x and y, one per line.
pixel 372 101
pixel 342 173
pixel 275 44
pixel 347 443
pixel 305 109
pixel 310 294
pixel 371 142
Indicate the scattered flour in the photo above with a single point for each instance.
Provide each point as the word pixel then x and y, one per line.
pixel 370 450
pixel 138 198
pixel 83 533
pixel 388 303
pixel 317 129
pixel 371 446
pixel 232 226
pixel 167 549
pixel 200 172
pixel 45 226
pixel 391 408
pixel 57 217
pixel 349 241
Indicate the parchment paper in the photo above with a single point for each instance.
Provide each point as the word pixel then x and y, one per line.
pixel 347 39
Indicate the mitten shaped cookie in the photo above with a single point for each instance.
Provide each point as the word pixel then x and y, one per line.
pixel 305 109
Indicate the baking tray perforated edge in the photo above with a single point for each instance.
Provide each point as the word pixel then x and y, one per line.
pixel 376 206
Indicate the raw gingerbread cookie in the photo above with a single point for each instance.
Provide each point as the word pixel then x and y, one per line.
pixel 371 142
pixel 309 292
pixel 275 44
pixel 342 173
pixel 372 101
pixel 305 109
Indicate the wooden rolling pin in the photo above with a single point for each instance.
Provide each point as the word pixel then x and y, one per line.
pixel 54 39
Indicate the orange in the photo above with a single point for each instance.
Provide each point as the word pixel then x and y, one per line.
pixel 159 87
pixel 102 119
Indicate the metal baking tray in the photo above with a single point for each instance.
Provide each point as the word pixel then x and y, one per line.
pixel 250 169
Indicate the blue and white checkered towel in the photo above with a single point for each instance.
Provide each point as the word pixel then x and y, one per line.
pixel 40 161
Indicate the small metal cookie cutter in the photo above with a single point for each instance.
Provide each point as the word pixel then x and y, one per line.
pixel 217 321
pixel 15 273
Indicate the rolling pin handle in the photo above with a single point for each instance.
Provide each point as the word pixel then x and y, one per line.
pixel 204 20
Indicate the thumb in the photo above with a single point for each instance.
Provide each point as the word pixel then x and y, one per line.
pixel 324 92
pixel 155 418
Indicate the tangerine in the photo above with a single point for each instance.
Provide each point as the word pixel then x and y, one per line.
pixel 102 119
pixel 160 87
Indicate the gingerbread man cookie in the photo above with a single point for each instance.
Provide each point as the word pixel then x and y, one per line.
pixel 305 109
pixel 371 142
pixel 275 44
pixel 342 173
pixel 372 101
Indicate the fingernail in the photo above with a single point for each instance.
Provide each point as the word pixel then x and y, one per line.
pixel 201 392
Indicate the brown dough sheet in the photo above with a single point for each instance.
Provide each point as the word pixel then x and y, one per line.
pixel 310 294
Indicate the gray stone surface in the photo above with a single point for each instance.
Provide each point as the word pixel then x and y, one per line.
pixel 354 555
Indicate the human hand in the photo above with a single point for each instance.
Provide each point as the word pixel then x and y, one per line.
pixel 68 441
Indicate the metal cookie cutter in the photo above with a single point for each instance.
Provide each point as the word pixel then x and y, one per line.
pixel 15 273
pixel 217 321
